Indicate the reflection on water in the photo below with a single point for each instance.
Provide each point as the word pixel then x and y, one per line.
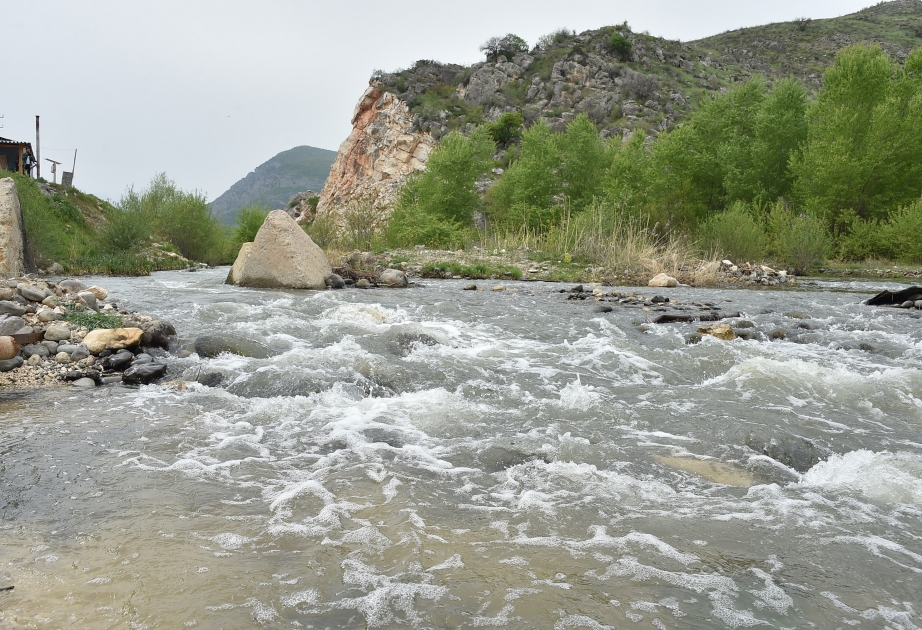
pixel 440 458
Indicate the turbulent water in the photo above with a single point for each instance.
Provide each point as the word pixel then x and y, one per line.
pixel 439 458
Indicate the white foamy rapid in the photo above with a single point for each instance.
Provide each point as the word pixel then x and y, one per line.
pixel 438 458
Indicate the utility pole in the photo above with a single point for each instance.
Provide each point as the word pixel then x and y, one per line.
pixel 54 169
pixel 38 153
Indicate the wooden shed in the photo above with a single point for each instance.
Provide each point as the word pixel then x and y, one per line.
pixel 16 157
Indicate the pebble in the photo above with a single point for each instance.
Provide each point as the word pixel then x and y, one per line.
pixel 84 383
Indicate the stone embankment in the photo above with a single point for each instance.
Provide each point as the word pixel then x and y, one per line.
pixel 65 332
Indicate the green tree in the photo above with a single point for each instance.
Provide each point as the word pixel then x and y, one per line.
pixel 507 129
pixel 864 151
pixel 584 161
pixel 447 188
pixel 509 45
pixel 525 193
pixel 249 220
pixel 621 46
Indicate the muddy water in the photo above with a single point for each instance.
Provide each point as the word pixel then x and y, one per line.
pixel 437 458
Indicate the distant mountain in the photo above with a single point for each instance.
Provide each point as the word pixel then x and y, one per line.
pixel 275 182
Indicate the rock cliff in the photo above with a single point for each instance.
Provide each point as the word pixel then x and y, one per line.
pixel 383 148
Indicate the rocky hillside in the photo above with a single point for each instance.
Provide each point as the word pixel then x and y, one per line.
pixel 648 83
pixel 276 181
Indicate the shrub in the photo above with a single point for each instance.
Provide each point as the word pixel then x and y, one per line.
pixel 125 232
pixel 902 232
pixel 507 129
pixel 508 46
pixel 621 46
pixel 323 231
pixel 797 240
pixel 249 220
pixel 408 228
pixel 363 219
pixel 734 233
pixel 864 240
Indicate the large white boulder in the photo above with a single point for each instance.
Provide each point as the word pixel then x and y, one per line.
pixel 281 256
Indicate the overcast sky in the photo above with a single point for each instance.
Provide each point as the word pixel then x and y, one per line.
pixel 207 91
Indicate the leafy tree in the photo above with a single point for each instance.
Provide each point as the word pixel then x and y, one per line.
pixel 864 150
pixel 507 129
pixel 446 189
pixel 249 220
pixel 620 46
pixel 584 161
pixel 509 45
pixel 525 193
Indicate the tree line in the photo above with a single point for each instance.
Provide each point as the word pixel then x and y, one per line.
pixel 750 172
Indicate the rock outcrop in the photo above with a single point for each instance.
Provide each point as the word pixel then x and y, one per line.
pixel 12 231
pixel 383 148
pixel 281 256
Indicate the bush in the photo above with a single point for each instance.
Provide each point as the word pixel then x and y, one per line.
pixel 508 46
pixel 734 233
pixel 621 46
pixel 507 129
pixel 864 240
pixel 249 220
pixel 800 241
pixel 903 232
pixel 324 231
pixel 407 228
pixel 125 232
pixel 363 219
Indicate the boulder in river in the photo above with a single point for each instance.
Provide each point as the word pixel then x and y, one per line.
pixel 144 373
pixel 282 256
pixel 393 278
pixel 335 281
pixel 102 339
pixel 663 280
pixel 157 334
pixel 210 346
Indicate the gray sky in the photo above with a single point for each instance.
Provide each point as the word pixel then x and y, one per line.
pixel 207 91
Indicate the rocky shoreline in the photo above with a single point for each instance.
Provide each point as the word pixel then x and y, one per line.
pixel 59 333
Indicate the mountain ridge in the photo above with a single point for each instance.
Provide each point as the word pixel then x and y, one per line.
pixel 274 182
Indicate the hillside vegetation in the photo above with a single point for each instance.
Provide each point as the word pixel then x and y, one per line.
pixel 273 183
pixel 624 80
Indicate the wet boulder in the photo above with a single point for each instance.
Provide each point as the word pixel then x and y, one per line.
pixel 7 365
pixel 210 346
pixel 144 373
pixel 335 281
pixel 119 361
pixel 158 334
pixel 393 278
pixel 793 451
pixel 404 343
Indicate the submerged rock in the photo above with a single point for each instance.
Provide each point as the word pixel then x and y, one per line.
pixel 404 343
pixel 335 281
pixel 721 331
pixel 210 346
pixel 792 451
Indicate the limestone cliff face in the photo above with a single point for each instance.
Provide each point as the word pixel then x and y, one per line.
pixel 376 158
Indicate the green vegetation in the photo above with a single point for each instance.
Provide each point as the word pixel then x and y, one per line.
pixel 508 46
pixel 160 228
pixel 249 220
pixel 92 321
pixel 479 271
pixel 758 173
pixel 621 46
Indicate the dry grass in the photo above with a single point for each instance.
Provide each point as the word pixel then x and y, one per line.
pixel 622 247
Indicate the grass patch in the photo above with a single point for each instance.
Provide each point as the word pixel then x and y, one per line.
pixel 478 271
pixel 92 321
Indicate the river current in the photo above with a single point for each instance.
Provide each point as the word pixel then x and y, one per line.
pixel 440 458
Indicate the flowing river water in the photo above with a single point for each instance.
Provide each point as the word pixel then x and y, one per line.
pixel 439 458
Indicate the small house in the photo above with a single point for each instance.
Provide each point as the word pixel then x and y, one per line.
pixel 16 157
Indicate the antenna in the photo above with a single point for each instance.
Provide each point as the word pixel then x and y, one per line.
pixel 54 172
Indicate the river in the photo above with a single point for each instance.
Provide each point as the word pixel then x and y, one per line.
pixel 440 458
